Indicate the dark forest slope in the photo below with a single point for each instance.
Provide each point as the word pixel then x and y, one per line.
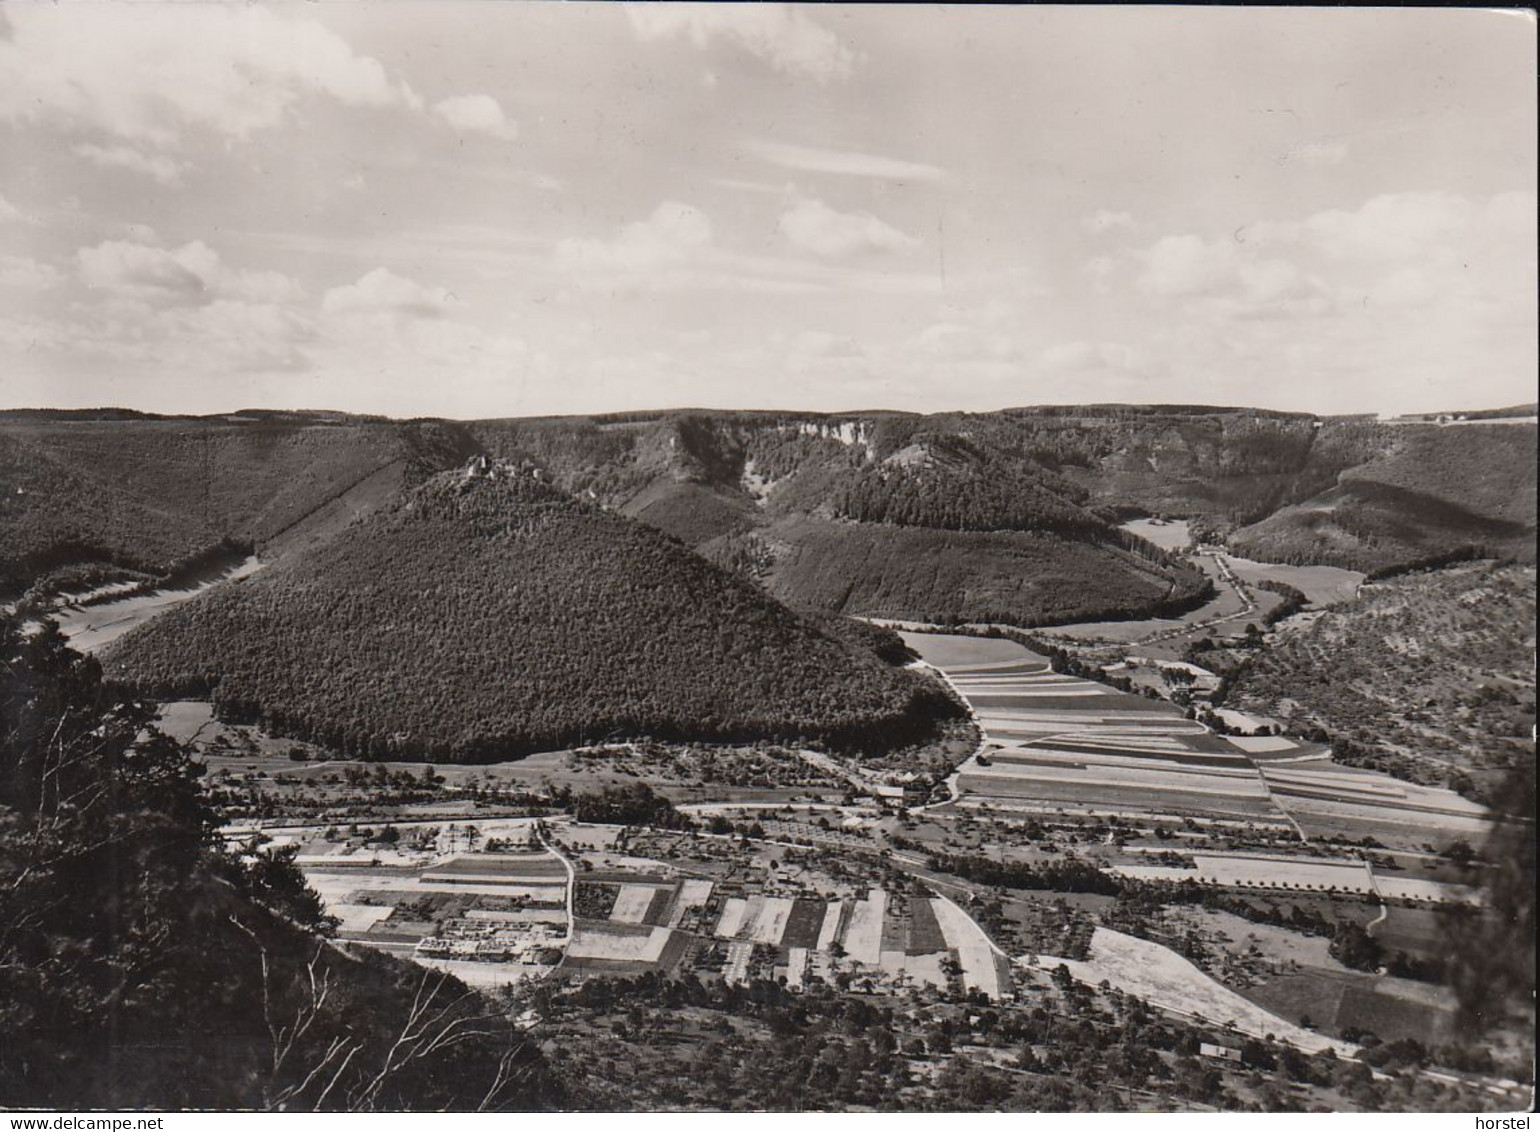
pixel 152 494
pixel 1430 490
pixel 487 615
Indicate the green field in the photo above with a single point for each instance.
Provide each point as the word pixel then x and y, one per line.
pixel 946 650
pixel 1322 585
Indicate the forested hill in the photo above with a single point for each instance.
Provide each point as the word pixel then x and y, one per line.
pixel 924 518
pixel 1007 516
pixel 1427 490
pixel 885 491
pixel 87 497
pixel 486 615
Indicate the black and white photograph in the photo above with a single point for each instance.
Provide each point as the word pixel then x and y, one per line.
pixel 597 557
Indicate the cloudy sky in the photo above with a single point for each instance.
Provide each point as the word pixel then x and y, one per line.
pixel 472 209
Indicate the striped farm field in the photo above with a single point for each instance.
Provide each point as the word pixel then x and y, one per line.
pixel 733 911
pixel 1073 743
pixel 766 920
pixel 951 651
pixel 514 864
pixel 1062 743
pixel 983 968
pixel 623 943
pixel 1326 799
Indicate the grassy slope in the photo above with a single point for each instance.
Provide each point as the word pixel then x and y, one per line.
pixel 1431 674
pixel 485 618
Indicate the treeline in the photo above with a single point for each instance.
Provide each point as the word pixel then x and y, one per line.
pixel 487 618
pixel 1428 562
pixel 821 1050
pixel 1067 874
pixel 1294 600
pixel 632 804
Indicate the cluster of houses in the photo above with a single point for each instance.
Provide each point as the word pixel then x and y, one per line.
pixel 479 937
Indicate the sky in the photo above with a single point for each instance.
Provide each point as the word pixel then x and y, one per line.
pixel 469 209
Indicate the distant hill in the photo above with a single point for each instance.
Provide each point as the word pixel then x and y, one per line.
pixel 151 494
pixel 884 515
pixel 1348 491
pixel 1010 515
pixel 486 615
pixel 1427 490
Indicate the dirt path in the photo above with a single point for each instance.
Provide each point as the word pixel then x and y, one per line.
pixel 571 879
pixel 952 782
pixel 93 627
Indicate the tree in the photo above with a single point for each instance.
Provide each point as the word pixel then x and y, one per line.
pixel 143 966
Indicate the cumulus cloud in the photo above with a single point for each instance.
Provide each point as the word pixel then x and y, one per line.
pixel 961 342
pixel 845 162
pixel 413 342
pixel 1103 220
pixel 1394 247
pixel 815 227
pixel 1228 271
pixel 158 167
pixel 192 274
pixel 10 214
pixel 675 249
pixel 1400 226
pixel 1091 357
pixel 147 72
pixel 672 235
pixel 28 274
pixel 783 35
pixel 476 114
pixel 1186 265
pixel 238 336
pixel 822 344
pixel 382 292
pixel 1316 155
pixel 1436 289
